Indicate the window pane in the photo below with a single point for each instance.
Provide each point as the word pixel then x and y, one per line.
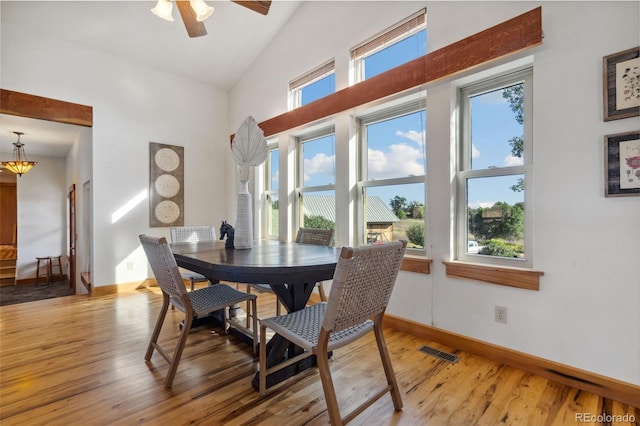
pixel 396 148
pixel 495 211
pixel 272 215
pixel 395 212
pixel 496 130
pixel 318 164
pixel 274 170
pixel 396 54
pixel 318 210
pixel 319 89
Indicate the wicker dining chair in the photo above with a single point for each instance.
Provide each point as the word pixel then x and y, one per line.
pixel 192 234
pixel 321 237
pixel 362 284
pixel 194 304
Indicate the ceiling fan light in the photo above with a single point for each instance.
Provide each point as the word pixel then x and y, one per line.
pixel 163 10
pixel 202 10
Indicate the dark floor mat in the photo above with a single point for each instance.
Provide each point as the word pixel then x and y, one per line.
pixel 12 294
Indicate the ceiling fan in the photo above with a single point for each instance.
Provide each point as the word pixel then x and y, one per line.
pixel 194 12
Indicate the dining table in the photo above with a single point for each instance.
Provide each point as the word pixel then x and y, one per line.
pixel 291 270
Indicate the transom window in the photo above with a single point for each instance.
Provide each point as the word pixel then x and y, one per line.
pixel 313 85
pixel 494 170
pixel 396 45
pixel 392 175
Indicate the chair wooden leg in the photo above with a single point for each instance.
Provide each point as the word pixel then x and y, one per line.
pixel 262 373
pixel 386 363
pixel 327 382
pixel 158 327
pixel 177 354
pixel 254 319
pixel 323 296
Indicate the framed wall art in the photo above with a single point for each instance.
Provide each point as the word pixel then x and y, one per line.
pixel 621 73
pixel 622 164
pixel 166 185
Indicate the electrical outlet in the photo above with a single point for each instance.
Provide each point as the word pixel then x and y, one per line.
pixel 501 314
pixel 129 266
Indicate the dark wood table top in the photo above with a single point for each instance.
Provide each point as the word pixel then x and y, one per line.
pixel 268 262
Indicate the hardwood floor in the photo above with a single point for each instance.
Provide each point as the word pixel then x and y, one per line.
pixel 76 360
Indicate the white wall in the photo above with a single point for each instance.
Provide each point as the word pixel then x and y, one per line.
pixel 42 205
pixel 586 245
pixel 132 106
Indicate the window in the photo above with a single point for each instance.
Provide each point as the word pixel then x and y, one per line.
pixel 392 175
pixel 494 171
pixel 313 85
pixel 399 44
pixel 271 211
pixel 316 179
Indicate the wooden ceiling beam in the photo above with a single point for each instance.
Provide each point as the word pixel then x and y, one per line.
pixel 41 108
pixel 522 32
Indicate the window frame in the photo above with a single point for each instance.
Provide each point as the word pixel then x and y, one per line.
pixel 464 172
pixel 383 112
pixel 268 191
pixel 300 188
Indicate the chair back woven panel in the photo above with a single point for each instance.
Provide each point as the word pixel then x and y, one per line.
pixel 362 283
pixel 321 237
pixel 192 234
pixel 164 266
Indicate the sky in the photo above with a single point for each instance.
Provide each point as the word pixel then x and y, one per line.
pixel 396 147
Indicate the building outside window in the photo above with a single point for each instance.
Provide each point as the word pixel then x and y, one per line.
pixel 494 171
pixel 313 85
pixel 392 175
pixel 396 45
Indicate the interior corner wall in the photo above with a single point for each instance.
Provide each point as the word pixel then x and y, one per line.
pixel 42 204
pixel 585 244
pixel 79 171
pixel 132 106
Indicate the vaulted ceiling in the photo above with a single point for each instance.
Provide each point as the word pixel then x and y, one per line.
pixel 236 36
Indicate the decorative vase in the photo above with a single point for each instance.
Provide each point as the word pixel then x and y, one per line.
pixel 243 238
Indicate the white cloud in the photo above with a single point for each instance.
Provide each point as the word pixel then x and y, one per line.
pixel 412 135
pixel 475 152
pixel 400 160
pixel 483 204
pixel 511 160
pixel 320 164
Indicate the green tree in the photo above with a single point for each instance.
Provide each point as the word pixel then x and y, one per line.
pixel 318 222
pixel 515 97
pixel 398 204
pixel 498 221
pixel 415 210
pixel 415 234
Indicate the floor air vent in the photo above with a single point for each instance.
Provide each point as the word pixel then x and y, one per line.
pixel 439 354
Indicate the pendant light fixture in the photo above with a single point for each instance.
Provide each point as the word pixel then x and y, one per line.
pixel 19 165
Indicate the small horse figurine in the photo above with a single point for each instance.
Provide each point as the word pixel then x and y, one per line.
pixel 227 229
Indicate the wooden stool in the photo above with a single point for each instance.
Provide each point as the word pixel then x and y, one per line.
pixel 47 261
pixel 49 264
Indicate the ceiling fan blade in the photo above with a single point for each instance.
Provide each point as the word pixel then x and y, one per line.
pixel 194 28
pixel 261 7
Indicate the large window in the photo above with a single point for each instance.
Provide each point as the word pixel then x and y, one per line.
pixel 392 175
pixel 313 85
pixel 317 179
pixel 494 171
pixel 271 208
pixel 396 45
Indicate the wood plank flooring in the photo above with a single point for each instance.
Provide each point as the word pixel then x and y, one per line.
pixel 80 360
